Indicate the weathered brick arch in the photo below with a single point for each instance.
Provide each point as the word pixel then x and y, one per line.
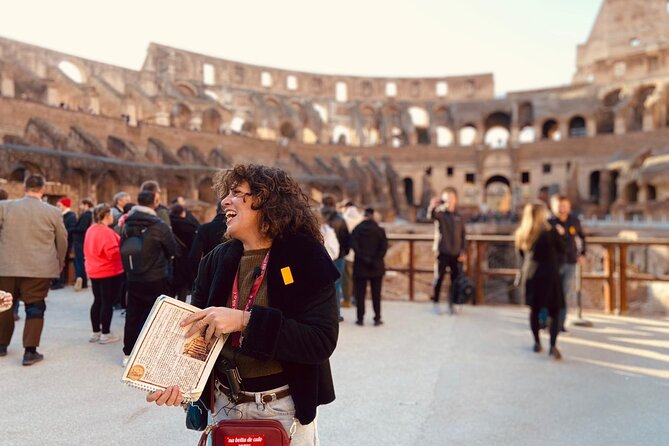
pixel 190 154
pixel 180 115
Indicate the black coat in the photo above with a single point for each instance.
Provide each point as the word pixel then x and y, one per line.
pixel 370 244
pixel 79 231
pixel 572 229
pixel 540 273
pixel 184 231
pixel 209 236
pixel 299 328
pixel 70 222
pixel 158 243
pixel 451 232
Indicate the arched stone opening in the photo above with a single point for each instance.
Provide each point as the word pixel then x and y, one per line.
pixel 606 116
pixel 651 192
pixel 370 127
pixel 216 158
pixel 205 191
pixel 24 169
pixel 309 136
pixel 211 121
pixel 527 135
pixel 399 137
pixel 72 72
pixel 409 191
pixel 106 187
pixel 180 116
pixel 189 154
pixel 287 130
pixel 176 186
pixel 468 134
pixel 498 194
pixel 632 192
pixel 497 126
pixel 421 124
pixel 577 127
pixel 19 174
pixel 613 185
pixel 187 89
pixel 76 178
pixel 443 117
pixel 635 122
pixel 551 130
pixel 444 136
pixel 249 128
pixel 341 135
pixel 594 186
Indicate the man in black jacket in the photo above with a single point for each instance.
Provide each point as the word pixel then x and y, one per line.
pixel 78 235
pixel 574 244
pixel 337 222
pixel 370 244
pixel 147 246
pixel 451 246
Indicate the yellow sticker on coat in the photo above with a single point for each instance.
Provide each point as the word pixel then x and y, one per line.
pixel 287 275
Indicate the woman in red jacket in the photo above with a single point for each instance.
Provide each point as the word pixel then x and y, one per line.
pixel 103 265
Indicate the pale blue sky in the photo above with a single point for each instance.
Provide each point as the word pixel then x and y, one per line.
pixel 526 43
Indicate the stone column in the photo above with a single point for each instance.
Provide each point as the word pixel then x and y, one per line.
pixel 647 123
pixel 619 125
pixel 7 87
pixel 591 127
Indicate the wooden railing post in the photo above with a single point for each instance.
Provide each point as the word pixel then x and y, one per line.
pixel 609 284
pixel 480 284
pixel 411 270
pixel 622 280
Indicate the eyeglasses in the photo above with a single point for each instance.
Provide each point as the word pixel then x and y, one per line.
pixel 240 194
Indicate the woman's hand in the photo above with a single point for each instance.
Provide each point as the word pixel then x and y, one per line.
pixel 168 397
pixel 218 320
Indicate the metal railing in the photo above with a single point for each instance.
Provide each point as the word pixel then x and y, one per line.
pixel 615 275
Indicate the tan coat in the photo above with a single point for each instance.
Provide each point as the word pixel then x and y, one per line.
pixel 33 240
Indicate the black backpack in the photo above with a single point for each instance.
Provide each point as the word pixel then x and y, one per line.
pixel 463 289
pixel 133 256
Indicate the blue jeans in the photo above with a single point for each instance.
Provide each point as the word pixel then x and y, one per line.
pixel 79 266
pixel 339 264
pixel 568 280
pixel 282 410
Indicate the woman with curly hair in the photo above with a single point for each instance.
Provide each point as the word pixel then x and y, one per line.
pixel 271 286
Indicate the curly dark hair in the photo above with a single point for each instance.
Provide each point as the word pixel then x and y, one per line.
pixel 284 208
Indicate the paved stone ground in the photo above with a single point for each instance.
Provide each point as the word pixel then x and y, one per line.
pixel 420 379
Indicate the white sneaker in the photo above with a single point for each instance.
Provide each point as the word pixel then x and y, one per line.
pixel 125 360
pixel 436 308
pixel 108 338
pixel 95 337
pixel 78 284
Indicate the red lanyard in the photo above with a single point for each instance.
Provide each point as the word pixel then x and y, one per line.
pixel 252 294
